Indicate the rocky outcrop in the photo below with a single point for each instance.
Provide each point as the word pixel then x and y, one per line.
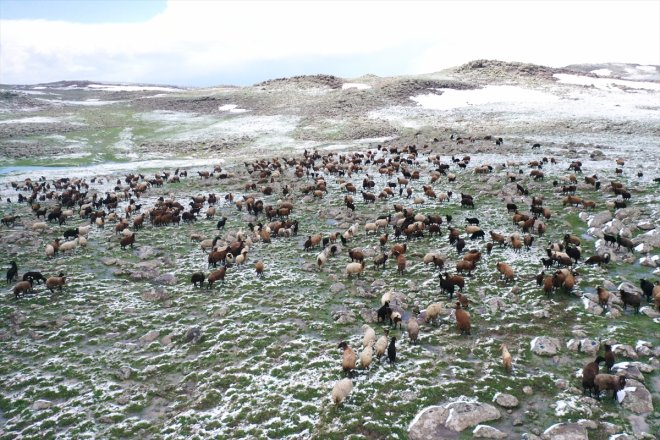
pixel 545 346
pixel 446 420
pixel 565 431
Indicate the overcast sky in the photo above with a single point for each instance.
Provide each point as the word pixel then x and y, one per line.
pixel 203 43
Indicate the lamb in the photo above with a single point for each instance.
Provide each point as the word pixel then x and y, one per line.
pixel 354 269
pixel 413 329
pixel 462 320
pixel 433 311
pixel 259 267
pixel 55 282
pixel 380 260
pixel 609 357
pixel 505 271
pixel 341 390
pixel 630 299
pixel 396 318
pixel 391 350
pixel 198 277
pixel 507 361
pixel 348 359
pixel 384 312
pixel 356 255
pixel 381 345
pixel 369 336
pixel 603 296
pixel 216 275
pixel 604 382
pixel 656 296
pixel 589 373
pixel 22 287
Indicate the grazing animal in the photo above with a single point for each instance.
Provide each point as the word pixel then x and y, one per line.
pixel 391 350
pixel 507 361
pixel 348 359
pixel 462 320
pixel 381 345
pixel 354 269
pixel 599 260
pixel 433 311
pixel 413 329
pixel 259 267
pixel 198 277
pixel 630 299
pixel 366 356
pixel 604 382
pixel 127 241
pixel 216 275
pixel 609 357
pixel 341 390
pixel 12 272
pixel 22 287
pixel 369 336
pixel 609 239
pixel 625 242
pixel 57 282
pixel 589 373
pixel 505 271
pixel 603 296
pixel 385 312
pixel 34 276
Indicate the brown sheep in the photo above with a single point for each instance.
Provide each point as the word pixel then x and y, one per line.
pixel 348 360
pixel 604 382
pixel 589 373
pixel 22 287
pixel 55 282
pixel 507 361
pixel 413 329
pixel 259 267
pixel 126 241
pixel 401 263
pixel 505 271
pixel 603 296
pixel 465 266
pixel 462 320
pixel 216 275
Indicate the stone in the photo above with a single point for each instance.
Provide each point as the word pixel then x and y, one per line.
pixel 344 316
pixel 193 334
pixel 485 431
pixel 494 304
pixel 166 278
pixel 650 238
pixel 465 414
pixel 108 261
pixel 631 214
pixel 147 252
pixel 42 404
pixel 166 340
pixel 155 295
pixel 565 431
pixel 506 400
pixel 589 424
pixel 600 219
pixel 625 351
pixel 589 346
pixel 645 226
pixel 429 423
pixel 446 420
pixel 149 337
pixel 627 370
pixel 636 398
pixel 337 287
pixel 545 345
pixel 528 390
pixel 573 344
pixel 630 288
pixel 369 315
pixel 124 373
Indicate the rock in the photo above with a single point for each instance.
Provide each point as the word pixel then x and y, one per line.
pixel 645 226
pixel 589 346
pixel 609 285
pixel 545 345
pixel 565 431
pixel 369 315
pixel 108 261
pixel 166 278
pixel 591 306
pixel 193 334
pixel 149 337
pixel 337 287
pixel 344 316
pixel 485 431
pixel 124 373
pixel 583 216
pixel 541 313
pixel 518 421
pixel 147 252
pixel 506 400
pixel 589 424
pixel 650 238
pixel 444 421
pixel 528 390
pixel 630 288
pixel 600 219
pixel 155 295
pixel 648 261
pixel 494 304
pixel 627 370
pixel 220 312
pixel 609 428
pixel 636 397
pixel 643 248
pixel 631 214
pixel 573 345
pixel 625 351
pixel 42 404
pixel 377 284
pixel 139 275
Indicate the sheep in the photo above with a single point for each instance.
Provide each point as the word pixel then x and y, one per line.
pixel 22 287
pixel 603 296
pixel 647 287
pixel 589 373
pixel 548 285
pixel 198 277
pixel 463 300
pixel 82 241
pixel 604 382
pixel 370 227
pixel 380 260
pixel 366 356
pixel 433 311
pixel 69 245
pixel 471 229
pixel 630 299
pixel 381 345
pixel 505 271
pixel 384 312
pixel 259 267
pixel 391 350
pixel 369 336
pixel 401 263
pixel 341 390
pixel 625 242
pixel 127 241
pixel 396 318
pixel 465 265
pixel 50 250
pixel 413 329
pixel 12 272
pixel 39 226
pixel 354 269
pixel 215 276
pixel 609 357
pixel 55 282
pixel 462 320
pixel 507 361
pixel 208 243
pixel 499 238
pixel 348 360
pixel 356 255
pixel 34 276
pixel 599 260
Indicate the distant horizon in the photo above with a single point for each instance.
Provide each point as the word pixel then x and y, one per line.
pixel 200 43
pixel 144 83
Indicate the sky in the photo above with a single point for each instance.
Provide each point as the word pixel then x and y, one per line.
pixel 207 42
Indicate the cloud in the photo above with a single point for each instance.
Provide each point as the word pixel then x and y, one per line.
pixel 195 41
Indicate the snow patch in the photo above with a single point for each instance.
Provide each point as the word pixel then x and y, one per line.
pixel 450 98
pixel 358 86
pixel 126 88
pixel 231 108
pixel 602 72
pixel 32 120
pixel 605 83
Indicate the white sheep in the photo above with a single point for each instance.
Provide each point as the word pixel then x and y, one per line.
pixel 354 229
pixel 127 232
pixel 341 390
pixel 387 297
pixel 381 223
pixel 471 229
pixel 82 241
pixel 420 217
pixel 369 336
pixel 50 250
pixel 381 346
pixel 429 257
pixel 433 311
pixel 69 245
pixel 41 226
pixel 354 269
pixel 84 230
pixel 370 227
pixel 366 357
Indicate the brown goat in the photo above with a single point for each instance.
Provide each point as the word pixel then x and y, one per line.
pixel 462 319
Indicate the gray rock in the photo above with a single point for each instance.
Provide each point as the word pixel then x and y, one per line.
pixel 565 431
pixel 124 373
pixel 166 278
pixel 647 262
pixel 573 344
pixel 545 345
pixel 337 287
pixel 637 398
pixel 193 334
pixel 600 219
pixel 369 315
pixel 140 275
pixel 645 226
pixel 494 304
pixel 439 422
pixel 650 238
pixel 147 252
pixel 630 288
pixel 465 414
pixel 430 424
pixel 589 346
pixel 506 400
pixel 149 337
pixel 344 316
pixel 528 390
pixel 166 340
pixel 485 431
pixel 630 214
pixel 42 404
pixel 628 370
pixel 108 261
pixel 589 424
pixel 155 295
pixel 625 351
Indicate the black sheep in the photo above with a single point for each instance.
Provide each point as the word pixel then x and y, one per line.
pixel 385 312
pixel 34 276
pixel 221 223
pixel 625 242
pixel 71 233
pixel 460 245
pixel 477 235
pixel 573 252
pixel 447 286
pixel 647 288
pixel 609 239
pixel 198 277
pixel 609 357
pixel 12 272
pixel 391 350
pixel 630 299
pixel 597 259
pixel 472 221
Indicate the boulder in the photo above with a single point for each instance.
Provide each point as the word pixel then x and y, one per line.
pixel 193 334
pixel 600 219
pixel 589 346
pixel 344 316
pixel 465 414
pixel 337 287
pixel 506 400
pixel 625 351
pixel 441 422
pixel 650 238
pixel 630 288
pixel 485 431
pixel 636 397
pixel 149 337
pixel 155 295
pixel 628 370
pixel 166 278
pixel 147 252
pixel 565 431
pixel 42 404
pixel 545 345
